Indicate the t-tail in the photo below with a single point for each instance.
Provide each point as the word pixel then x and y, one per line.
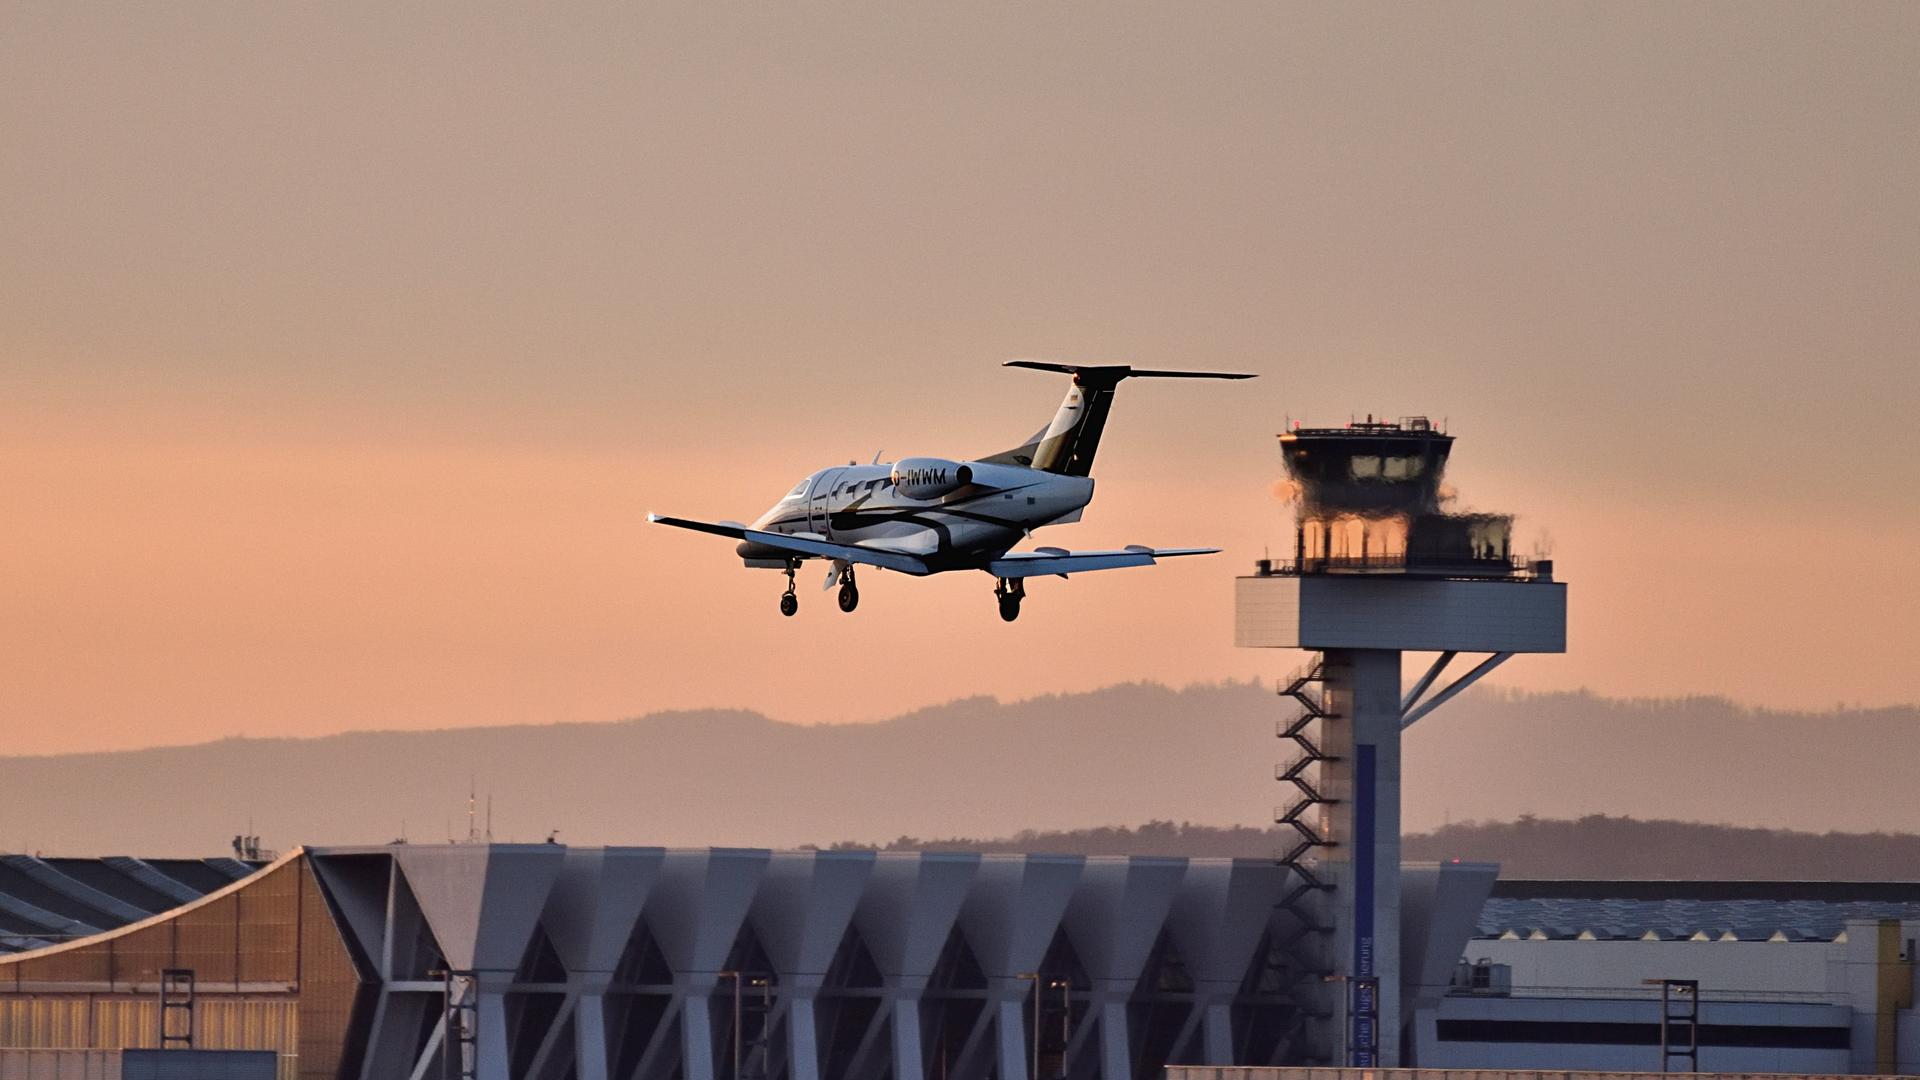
pixel 1067 445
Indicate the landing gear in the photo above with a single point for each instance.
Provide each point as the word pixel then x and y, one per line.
pixel 849 592
pixel 1010 592
pixel 789 600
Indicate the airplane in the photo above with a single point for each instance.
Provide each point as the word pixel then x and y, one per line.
pixel 926 515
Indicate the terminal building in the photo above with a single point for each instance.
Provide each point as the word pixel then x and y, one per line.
pixel 544 962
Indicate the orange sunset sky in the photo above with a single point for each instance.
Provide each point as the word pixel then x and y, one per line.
pixel 344 348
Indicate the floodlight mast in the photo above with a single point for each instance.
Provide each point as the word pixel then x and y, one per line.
pixel 1380 568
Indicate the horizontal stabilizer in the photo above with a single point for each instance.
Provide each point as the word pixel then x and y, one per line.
pixel 1116 372
pixel 1046 561
pixel 1067 445
pixel 812 546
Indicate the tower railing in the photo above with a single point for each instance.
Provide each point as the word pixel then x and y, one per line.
pixel 1461 565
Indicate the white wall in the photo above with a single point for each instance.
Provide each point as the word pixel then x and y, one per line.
pixel 1766 966
pixel 1433 1053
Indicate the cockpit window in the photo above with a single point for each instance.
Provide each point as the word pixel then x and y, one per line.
pixel 800 488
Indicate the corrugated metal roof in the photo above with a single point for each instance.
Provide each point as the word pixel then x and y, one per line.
pixel 1752 919
pixel 46 901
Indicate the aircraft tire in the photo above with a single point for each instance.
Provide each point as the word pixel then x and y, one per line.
pixel 789 604
pixel 1009 607
pixel 849 597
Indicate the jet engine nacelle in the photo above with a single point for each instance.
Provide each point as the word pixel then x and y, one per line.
pixel 930 478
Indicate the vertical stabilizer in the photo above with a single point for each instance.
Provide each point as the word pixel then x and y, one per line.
pixel 1067 445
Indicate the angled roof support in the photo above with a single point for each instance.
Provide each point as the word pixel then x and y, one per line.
pixel 1223 907
pixel 801 912
pixel 904 916
pixel 1439 665
pixel 1408 716
pixel 1114 919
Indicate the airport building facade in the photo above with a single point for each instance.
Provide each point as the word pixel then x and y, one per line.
pixel 543 962
pixel 502 961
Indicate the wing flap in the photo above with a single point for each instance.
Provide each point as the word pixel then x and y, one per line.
pixel 1020 564
pixel 865 554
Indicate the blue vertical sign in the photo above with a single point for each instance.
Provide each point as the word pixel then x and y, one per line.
pixel 1363 1004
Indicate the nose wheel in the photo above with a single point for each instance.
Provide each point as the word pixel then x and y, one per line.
pixel 849 592
pixel 789 600
pixel 1010 591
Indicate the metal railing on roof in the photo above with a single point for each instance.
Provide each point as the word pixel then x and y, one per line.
pixel 1399 562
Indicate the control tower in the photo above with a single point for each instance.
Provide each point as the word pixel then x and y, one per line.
pixel 1379 568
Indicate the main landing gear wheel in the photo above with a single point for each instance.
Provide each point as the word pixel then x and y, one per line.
pixel 789 600
pixel 1010 591
pixel 849 592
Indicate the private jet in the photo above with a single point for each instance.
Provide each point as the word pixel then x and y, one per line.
pixel 927 515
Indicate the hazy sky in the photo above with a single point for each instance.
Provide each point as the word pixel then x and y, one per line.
pixel 343 348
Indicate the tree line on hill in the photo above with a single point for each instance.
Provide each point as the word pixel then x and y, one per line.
pixel 1593 846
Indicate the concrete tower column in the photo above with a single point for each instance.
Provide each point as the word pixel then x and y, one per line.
pixel 1010 1017
pixel 696 1024
pixel 1362 739
pixel 490 1011
pixel 909 1059
pixel 590 1035
pixel 803 1041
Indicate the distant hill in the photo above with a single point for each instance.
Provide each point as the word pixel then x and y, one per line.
pixel 975 767
pixel 1596 846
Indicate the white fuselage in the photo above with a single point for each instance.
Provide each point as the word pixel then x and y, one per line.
pixel 987 509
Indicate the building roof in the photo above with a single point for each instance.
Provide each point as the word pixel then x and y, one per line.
pixel 45 901
pixel 1691 910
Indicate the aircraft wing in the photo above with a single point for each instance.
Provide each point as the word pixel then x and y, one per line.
pixel 1043 561
pixel 803 545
